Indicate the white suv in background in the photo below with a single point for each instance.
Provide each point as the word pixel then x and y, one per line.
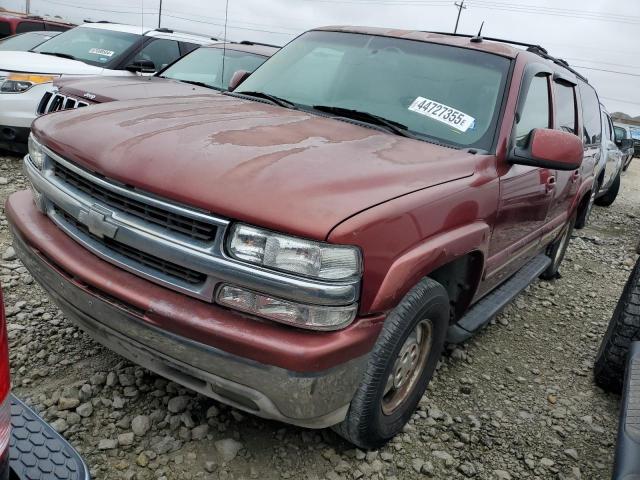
pixel 91 49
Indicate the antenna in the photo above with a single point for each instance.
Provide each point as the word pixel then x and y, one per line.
pixel 160 14
pixel 478 37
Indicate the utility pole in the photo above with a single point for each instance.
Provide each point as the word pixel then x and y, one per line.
pixel 28 6
pixel 460 7
pixel 160 14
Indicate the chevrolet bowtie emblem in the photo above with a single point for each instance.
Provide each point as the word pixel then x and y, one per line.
pixel 98 222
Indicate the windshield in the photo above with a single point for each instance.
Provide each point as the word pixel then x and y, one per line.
pixel 442 93
pixel 205 66
pixel 24 42
pixel 90 45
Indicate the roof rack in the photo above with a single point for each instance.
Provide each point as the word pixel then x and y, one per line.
pixel 531 47
pixel 185 32
pixel 86 20
pixel 249 42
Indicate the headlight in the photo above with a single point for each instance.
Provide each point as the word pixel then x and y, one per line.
pixel 36 154
pixel 284 311
pixel 21 82
pixel 294 255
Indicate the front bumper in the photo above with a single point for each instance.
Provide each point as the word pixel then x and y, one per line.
pixel 302 396
pixel 37 451
pixel 17 112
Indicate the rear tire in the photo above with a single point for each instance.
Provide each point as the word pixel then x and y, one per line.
pixel 623 330
pixel 376 413
pixel 608 198
pixel 557 250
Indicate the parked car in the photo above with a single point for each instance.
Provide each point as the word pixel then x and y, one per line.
pixel 23 42
pixel 197 73
pixel 14 23
pixel 610 178
pixel 29 447
pixel 625 143
pixel 617 369
pixel 302 247
pixel 89 49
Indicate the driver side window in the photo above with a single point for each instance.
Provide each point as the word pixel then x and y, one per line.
pixel 160 52
pixel 536 111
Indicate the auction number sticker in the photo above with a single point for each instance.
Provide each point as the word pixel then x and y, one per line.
pixel 442 113
pixel 100 51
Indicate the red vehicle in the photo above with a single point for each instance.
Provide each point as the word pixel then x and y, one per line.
pixel 302 246
pixel 29 447
pixel 12 23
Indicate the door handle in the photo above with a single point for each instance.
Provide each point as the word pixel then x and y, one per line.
pixel 551 184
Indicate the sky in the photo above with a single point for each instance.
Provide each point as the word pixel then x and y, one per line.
pixel 600 38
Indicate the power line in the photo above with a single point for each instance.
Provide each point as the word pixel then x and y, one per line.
pixel 620 100
pixel 608 71
pixel 460 6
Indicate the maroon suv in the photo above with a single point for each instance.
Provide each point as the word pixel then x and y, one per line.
pixel 12 23
pixel 302 247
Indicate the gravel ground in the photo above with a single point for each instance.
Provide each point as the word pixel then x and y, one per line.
pixel 516 402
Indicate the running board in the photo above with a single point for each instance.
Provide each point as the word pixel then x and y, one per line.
pixel 627 464
pixel 488 307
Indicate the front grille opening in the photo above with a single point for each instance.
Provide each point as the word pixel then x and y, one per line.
pixel 167 268
pixel 194 229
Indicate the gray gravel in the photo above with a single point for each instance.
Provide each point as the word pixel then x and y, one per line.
pixel 516 402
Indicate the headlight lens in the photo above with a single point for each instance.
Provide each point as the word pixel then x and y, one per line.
pixel 283 311
pixel 36 153
pixel 21 82
pixel 295 255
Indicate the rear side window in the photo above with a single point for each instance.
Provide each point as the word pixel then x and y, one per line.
pixel 5 29
pixel 620 133
pixel 160 52
pixel 565 107
pixel 29 27
pixel 535 113
pixel 591 120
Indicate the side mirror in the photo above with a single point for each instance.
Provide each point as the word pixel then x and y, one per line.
pixel 548 148
pixel 237 78
pixel 626 143
pixel 142 66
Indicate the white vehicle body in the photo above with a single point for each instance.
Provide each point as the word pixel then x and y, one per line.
pixel 18 109
pixel 610 154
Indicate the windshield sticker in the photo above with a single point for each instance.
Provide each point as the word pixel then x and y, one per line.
pixel 100 51
pixel 443 113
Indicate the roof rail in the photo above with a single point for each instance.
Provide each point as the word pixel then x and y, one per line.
pixel 173 30
pixel 249 42
pixel 86 20
pixel 533 48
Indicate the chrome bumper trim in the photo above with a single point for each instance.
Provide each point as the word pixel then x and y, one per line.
pixel 312 400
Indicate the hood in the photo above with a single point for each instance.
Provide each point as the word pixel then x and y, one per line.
pixel 269 166
pixel 109 89
pixel 32 62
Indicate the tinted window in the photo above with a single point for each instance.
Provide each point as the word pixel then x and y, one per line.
pixel 607 127
pixel 29 27
pixel 160 52
pixel 535 113
pixel 565 107
pixel 94 46
pixel 205 66
pixel 438 92
pixel 592 125
pixel 5 29
pixel 23 42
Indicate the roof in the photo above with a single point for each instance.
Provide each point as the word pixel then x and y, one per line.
pixel 498 48
pixel 137 30
pixel 6 14
pixel 257 49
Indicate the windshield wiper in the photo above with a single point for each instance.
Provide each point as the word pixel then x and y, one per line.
pixel 193 82
pixel 61 55
pixel 395 127
pixel 272 98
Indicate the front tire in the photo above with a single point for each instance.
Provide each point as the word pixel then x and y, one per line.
pixel 608 198
pixel 557 250
pixel 400 367
pixel 623 330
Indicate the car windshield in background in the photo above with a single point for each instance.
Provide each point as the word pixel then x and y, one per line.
pixel 204 66
pixel 89 45
pixel 438 92
pixel 25 41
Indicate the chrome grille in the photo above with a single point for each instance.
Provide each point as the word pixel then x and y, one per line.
pixel 192 228
pixel 171 269
pixel 53 102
